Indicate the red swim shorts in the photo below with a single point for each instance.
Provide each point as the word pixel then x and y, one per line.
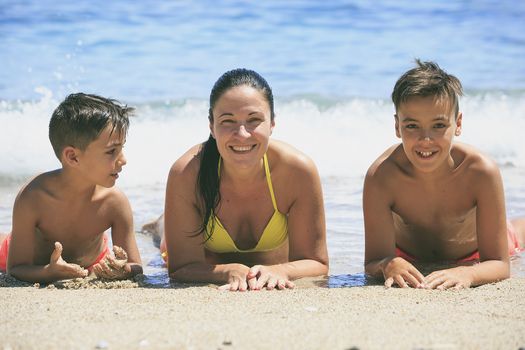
pixel 4 251
pixel 512 238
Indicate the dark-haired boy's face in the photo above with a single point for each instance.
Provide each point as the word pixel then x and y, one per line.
pixel 427 127
pixel 103 159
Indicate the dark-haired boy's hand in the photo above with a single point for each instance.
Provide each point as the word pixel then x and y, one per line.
pixel 113 267
pixel 401 272
pixel 60 269
pixel 455 278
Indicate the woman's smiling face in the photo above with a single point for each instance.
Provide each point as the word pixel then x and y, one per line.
pixel 242 126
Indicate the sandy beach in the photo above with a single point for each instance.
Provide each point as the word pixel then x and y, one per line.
pixel 131 316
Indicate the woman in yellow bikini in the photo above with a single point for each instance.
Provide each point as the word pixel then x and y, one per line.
pixel 241 210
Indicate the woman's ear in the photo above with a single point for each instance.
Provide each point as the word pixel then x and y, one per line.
pixel 211 130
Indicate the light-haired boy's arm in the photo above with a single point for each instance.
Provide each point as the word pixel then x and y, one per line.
pixel 123 236
pixel 20 262
pixel 380 243
pixel 491 227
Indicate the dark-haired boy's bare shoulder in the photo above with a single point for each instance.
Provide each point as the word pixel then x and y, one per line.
pixel 113 199
pixel 38 187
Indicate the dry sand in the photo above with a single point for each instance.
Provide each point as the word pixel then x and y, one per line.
pixel 133 316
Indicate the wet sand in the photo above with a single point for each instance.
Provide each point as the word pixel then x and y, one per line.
pixel 129 315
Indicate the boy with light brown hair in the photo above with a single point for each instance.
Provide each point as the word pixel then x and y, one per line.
pixel 59 217
pixel 430 199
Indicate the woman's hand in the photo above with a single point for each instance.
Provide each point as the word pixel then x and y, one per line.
pixel 237 278
pixel 271 277
pixel 402 273
pixel 456 278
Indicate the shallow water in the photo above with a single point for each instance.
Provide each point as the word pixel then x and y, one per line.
pixel 331 64
pixel 345 233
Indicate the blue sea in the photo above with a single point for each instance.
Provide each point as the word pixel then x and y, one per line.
pixel 332 65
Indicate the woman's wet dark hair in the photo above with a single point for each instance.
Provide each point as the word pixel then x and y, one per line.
pixel 208 177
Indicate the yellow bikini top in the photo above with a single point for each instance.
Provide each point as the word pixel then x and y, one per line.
pixel 275 233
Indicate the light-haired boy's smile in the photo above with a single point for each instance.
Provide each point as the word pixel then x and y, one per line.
pixel 427 127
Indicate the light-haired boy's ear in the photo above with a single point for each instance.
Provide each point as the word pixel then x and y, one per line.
pixel 398 134
pixel 459 123
pixel 70 155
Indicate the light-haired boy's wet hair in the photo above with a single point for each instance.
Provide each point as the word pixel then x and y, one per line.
pixel 428 79
pixel 80 119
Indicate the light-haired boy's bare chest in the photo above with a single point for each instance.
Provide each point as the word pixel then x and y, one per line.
pixel 437 222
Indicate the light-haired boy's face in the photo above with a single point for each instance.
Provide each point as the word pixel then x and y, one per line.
pixel 103 159
pixel 427 127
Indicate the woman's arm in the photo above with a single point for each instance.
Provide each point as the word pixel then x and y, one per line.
pixel 308 254
pixel 185 248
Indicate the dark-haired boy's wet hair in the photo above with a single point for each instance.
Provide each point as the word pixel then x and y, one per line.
pixel 208 178
pixel 80 119
pixel 428 79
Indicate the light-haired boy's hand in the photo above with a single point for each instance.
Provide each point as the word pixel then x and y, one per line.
pixel 113 267
pixel 60 269
pixel 402 273
pixel 455 278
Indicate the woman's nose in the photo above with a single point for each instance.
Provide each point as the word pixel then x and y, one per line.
pixel 242 131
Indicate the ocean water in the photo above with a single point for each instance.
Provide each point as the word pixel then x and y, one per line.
pixel 332 66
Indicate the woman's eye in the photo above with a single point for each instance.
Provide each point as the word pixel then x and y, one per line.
pixel 411 126
pixel 111 151
pixel 440 126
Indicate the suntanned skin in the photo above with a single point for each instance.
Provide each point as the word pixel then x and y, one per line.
pixel 242 118
pixel 59 218
pixel 436 200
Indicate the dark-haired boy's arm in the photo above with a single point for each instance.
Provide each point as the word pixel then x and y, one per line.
pixel 20 262
pixel 127 262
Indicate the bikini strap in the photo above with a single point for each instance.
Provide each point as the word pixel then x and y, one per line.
pixel 268 178
pixel 269 181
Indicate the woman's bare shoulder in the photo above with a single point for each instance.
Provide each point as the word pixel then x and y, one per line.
pixel 187 166
pixel 283 156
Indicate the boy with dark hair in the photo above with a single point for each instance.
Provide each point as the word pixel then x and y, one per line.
pixel 430 199
pixel 59 217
